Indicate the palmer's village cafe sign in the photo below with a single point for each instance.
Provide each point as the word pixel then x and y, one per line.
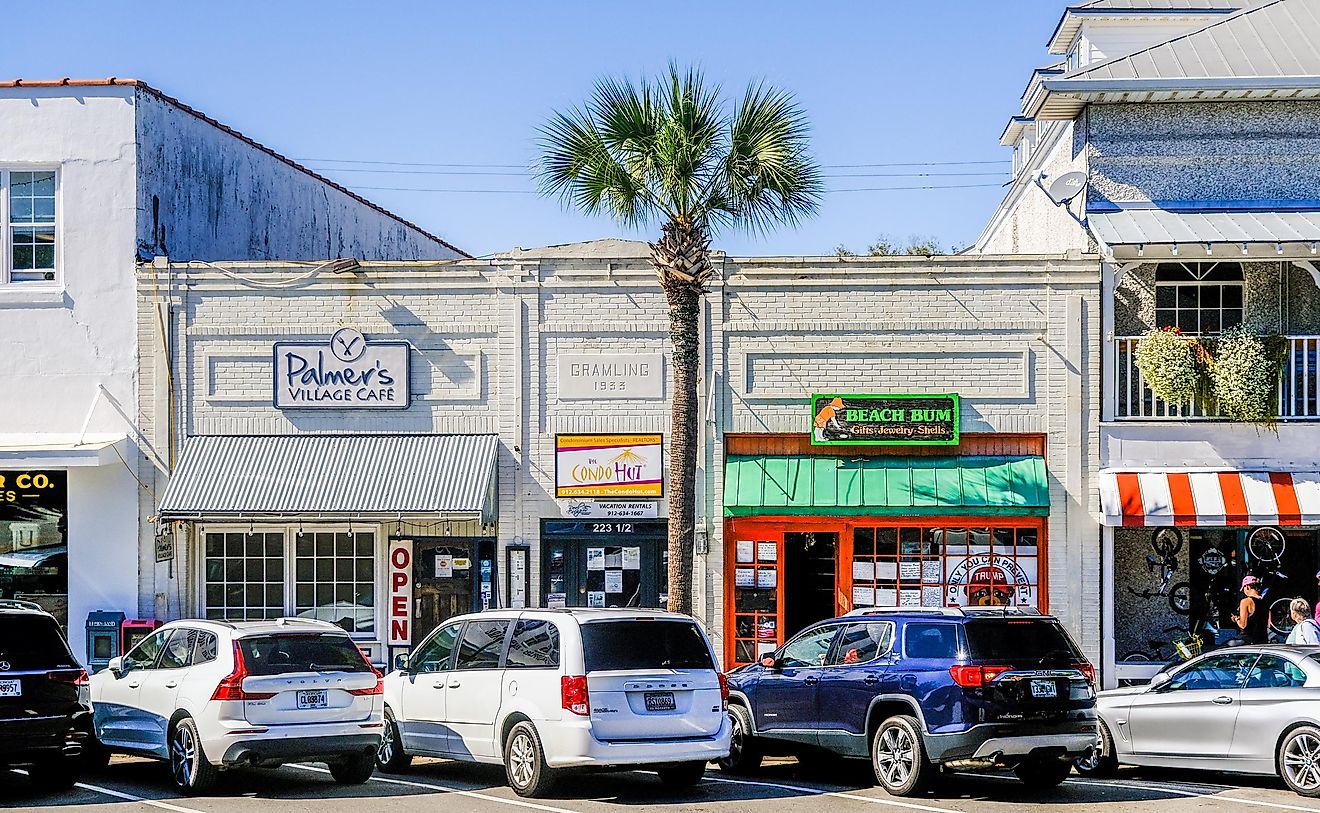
pixel 347 372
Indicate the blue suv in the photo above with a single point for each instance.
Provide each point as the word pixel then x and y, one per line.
pixel 917 690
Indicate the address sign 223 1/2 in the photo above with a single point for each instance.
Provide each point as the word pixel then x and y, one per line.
pixel 884 420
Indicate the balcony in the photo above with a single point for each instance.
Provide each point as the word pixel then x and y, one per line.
pixel 1298 396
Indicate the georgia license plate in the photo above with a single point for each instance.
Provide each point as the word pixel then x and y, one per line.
pixel 660 701
pixel 11 688
pixel 313 700
pixel 1044 688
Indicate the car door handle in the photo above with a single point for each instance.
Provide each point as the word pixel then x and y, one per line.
pixel 1222 700
pixel 134 685
pixel 439 685
pixel 455 684
pixel 172 684
pixel 871 680
pixel 811 680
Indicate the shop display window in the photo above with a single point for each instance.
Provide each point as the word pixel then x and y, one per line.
pixel 945 567
pixel 335 579
pixel 755 599
pixel 244 576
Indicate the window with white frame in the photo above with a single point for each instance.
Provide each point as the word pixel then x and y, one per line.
pixel 262 574
pixel 30 214
pixel 1201 299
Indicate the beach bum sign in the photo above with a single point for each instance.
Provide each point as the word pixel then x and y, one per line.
pixel 609 466
pixel 347 372
pixel 884 420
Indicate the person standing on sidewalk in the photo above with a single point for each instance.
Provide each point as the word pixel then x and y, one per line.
pixel 1305 631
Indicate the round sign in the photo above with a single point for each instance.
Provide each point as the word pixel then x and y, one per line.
pixel 1213 561
pixel 348 344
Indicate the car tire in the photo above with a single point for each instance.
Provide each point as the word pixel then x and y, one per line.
pixel 1298 761
pixel 1043 774
pixel 192 772
pixel 1103 762
pixel 390 757
pixel 95 756
pixel 681 774
pixel 898 756
pixel 354 770
pixel 524 762
pixel 744 751
pixel 60 773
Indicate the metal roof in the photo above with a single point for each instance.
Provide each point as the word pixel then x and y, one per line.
pixel 332 475
pixel 1148 226
pixel 1071 20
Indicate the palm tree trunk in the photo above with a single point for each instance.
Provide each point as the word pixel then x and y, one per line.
pixel 681 258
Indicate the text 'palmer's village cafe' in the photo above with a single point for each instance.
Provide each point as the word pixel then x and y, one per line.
pixel 884 503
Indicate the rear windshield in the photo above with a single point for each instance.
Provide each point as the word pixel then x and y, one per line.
pixel 1038 642
pixel 609 645
pixel 32 642
pixel 281 654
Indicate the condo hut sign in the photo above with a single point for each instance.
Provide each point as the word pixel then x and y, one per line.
pixel 884 420
pixel 346 372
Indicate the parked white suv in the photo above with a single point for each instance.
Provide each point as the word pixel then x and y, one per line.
pixel 545 690
pixel 210 695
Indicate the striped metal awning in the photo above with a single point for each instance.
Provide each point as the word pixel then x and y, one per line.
pixel 333 475
pixel 796 485
pixel 1209 498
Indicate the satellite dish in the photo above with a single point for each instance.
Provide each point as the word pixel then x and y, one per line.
pixel 1066 187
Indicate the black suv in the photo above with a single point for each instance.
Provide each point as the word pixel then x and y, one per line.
pixel 919 690
pixel 44 716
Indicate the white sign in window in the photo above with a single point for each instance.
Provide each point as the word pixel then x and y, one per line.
pixel 595 376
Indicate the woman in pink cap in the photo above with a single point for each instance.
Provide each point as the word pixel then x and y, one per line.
pixel 1252 618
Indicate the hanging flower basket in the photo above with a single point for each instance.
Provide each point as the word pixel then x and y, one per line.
pixel 1168 364
pixel 1244 374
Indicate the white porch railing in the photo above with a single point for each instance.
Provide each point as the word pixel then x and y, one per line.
pixel 1299 390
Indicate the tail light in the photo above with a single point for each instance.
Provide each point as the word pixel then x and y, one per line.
pixel 379 688
pixel 1086 669
pixel 724 690
pixel 573 691
pixel 231 687
pixel 73 677
pixel 975 676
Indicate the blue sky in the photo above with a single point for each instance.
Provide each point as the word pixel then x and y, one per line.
pixel 883 82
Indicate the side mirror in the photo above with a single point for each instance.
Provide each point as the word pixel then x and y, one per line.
pixel 1160 680
pixel 769 662
pixel 401 663
pixel 116 667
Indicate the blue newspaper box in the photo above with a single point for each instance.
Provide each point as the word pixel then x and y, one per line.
pixel 104 629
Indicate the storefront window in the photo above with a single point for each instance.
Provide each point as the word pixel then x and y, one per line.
pixel 335 579
pixel 244 576
pixel 33 533
pixel 945 567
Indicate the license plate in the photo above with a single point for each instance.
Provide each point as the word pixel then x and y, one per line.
pixel 660 701
pixel 1044 688
pixel 11 688
pixel 313 700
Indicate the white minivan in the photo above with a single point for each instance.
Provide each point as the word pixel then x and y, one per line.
pixel 541 691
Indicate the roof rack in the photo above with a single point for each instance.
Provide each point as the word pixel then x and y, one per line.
pixel 290 619
pixel 20 604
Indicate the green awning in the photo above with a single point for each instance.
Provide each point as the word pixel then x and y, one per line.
pixel 761 485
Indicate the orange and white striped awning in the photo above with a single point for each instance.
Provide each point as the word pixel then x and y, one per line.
pixel 1209 498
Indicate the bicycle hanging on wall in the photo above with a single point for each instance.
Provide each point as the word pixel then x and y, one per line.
pixel 1166 543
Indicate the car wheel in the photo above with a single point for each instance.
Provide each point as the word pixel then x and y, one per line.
pixel 681 774
pixel 192 772
pixel 524 762
pixel 898 756
pixel 354 770
pixel 744 751
pixel 390 757
pixel 1102 761
pixel 1299 760
pixel 60 773
pixel 1041 774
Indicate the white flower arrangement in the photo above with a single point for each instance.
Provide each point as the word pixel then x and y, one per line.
pixel 1167 361
pixel 1244 372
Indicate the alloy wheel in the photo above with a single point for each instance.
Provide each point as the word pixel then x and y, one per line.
pixel 183 753
pixel 895 756
pixel 522 755
pixel 1301 761
pixel 385 754
pixel 736 735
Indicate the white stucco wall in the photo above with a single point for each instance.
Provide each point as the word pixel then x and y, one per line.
pixel 205 194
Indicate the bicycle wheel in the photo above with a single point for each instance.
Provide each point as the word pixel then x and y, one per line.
pixel 1281 616
pixel 1266 545
pixel 1138 655
pixel 1180 598
pixel 1166 542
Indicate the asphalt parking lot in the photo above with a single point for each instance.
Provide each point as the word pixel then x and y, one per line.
pixel 132 785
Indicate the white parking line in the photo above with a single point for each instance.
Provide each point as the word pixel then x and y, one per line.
pixel 1213 796
pixel 839 794
pixel 129 797
pixel 469 793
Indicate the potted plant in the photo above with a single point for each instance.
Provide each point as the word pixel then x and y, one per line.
pixel 1244 374
pixel 1169 365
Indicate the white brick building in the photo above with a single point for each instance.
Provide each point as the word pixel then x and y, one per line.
pixel 1015 337
pixel 93 176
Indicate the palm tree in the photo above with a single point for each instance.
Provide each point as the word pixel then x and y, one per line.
pixel 670 152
